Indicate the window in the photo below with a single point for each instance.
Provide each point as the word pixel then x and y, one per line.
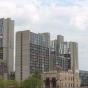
pixel 21 44
pixel 62 84
pixel 65 84
pixel 21 65
pixel 73 84
pixel 1 22
pixel 77 85
pixel 69 84
pixel 35 48
pixel 21 78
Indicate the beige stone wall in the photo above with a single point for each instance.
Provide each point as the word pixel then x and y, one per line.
pixel 64 79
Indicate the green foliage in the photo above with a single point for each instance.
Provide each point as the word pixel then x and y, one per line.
pixel 36 74
pixel 8 83
pixel 31 83
pixel 1 83
pixel 11 83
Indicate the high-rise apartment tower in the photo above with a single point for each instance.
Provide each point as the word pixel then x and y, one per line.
pixel 32 51
pixel 68 51
pixel 6 45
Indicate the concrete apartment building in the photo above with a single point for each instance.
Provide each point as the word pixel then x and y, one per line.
pixel 59 61
pixel 32 51
pixel 67 50
pixel 54 79
pixel 55 45
pixel 84 78
pixel 6 45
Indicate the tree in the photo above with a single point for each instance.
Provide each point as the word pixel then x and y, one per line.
pixel 1 83
pixel 11 83
pixel 31 83
pixel 36 74
pixel 8 83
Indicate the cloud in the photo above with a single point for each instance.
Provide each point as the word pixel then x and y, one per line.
pixel 80 21
pixel 79 2
pixel 67 18
pixel 29 13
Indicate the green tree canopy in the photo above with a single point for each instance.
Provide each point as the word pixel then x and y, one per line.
pixel 31 83
pixel 36 74
pixel 11 83
pixel 8 83
pixel 1 83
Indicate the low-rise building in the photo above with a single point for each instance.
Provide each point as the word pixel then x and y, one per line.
pixel 62 79
pixel 84 78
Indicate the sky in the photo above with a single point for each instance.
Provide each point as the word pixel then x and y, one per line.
pixel 59 17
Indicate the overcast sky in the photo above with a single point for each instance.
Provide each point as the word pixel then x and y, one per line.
pixel 65 17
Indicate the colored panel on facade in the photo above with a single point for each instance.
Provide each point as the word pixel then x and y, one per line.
pixel 0 23
pixel 35 42
pixel 56 63
pixel 30 61
pixel 1 32
pixel 43 39
pixel 2 29
pixel 69 52
pixel 31 65
pixel 35 48
pixel 69 49
pixel 39 55
pixel 53 49
pixel 45 48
